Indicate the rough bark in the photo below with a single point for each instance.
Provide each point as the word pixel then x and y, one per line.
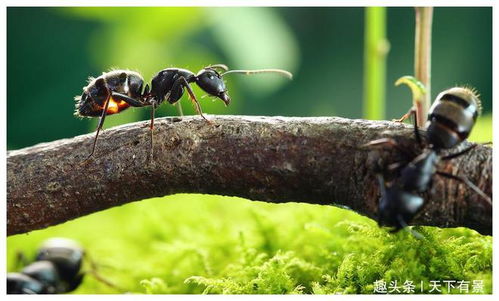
pixel 271 159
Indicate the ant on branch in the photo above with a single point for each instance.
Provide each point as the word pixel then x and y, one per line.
pixel 57 269
pixel 450 120
pixel 117 90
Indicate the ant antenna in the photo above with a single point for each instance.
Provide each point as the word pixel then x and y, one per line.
pixel 249 72
pixel 217 66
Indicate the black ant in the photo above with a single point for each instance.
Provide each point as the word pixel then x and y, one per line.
pixel 117 90
pixel 57 269
pixel 450 120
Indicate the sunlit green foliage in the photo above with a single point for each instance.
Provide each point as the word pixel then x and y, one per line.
pixel 213 244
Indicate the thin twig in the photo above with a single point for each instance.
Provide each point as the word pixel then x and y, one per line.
pixel 422 60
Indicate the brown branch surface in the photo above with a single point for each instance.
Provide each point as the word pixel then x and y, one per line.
pixel 271 159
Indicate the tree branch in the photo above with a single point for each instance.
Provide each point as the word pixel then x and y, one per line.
pixel 271 159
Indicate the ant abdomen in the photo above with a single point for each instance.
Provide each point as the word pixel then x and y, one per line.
pixel 452 116
pixel 99 90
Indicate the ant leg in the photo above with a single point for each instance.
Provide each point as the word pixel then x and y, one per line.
pixel 465 180
pixel 416 129
pixel 21 260
pixel 464 151
pixel 405 116
pixel 97 276
pixel 412 113
pixel 381 141
pixel 99 127
pixel 406 227
pixel 382 184
pixel 131 101
pixel 178 105
pixel 193 98
pixel 175 100
pixel 388 141
pixel 151 127
pixel 382 191
pixel 392 142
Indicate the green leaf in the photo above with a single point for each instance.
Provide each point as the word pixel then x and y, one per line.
pixel 417 87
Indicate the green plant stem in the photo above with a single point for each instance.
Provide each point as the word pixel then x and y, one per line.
pixel 422 60
pixel 375 49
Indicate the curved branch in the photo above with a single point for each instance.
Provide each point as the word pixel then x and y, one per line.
pixel 271 159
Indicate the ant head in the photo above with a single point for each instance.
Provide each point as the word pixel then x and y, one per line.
pixel 65 254
pixel 212 83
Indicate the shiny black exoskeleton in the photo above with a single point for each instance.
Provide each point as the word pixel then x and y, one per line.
pixel 169 84
pixel 56 270
pixel 18 283
pixel 110 93
pixel 450 121
pixel 117 90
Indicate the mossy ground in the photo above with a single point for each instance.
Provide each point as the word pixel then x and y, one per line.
pixel 193 243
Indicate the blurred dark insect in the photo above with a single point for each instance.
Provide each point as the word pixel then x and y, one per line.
pixel 57 269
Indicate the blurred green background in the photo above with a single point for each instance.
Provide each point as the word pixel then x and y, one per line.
pixel 238 246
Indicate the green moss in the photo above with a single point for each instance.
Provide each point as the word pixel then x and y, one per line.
pixel 211 244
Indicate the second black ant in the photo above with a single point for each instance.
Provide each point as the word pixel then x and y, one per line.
pixel 450 121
